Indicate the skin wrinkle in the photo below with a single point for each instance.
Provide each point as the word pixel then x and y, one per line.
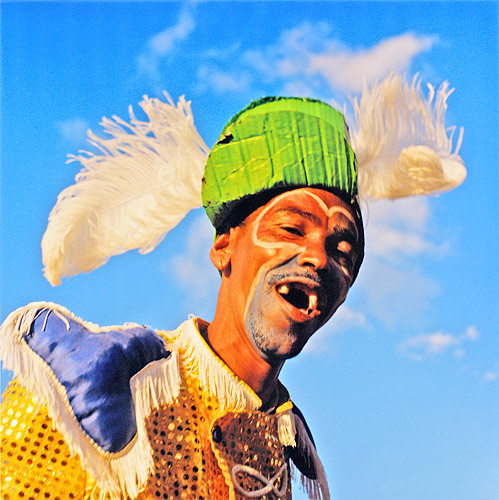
pixel 328 211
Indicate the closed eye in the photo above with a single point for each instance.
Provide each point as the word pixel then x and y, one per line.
pixel 344 259
pixel 293 230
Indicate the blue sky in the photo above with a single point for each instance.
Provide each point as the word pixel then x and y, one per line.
pixel 401 387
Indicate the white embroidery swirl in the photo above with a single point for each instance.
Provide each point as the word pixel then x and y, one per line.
pixel 270 484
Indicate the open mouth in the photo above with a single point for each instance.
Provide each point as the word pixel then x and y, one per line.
pixel 302 297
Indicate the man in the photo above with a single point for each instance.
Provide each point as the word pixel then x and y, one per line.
pixel 200 412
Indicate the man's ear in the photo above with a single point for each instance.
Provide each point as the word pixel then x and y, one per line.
pixel 220 252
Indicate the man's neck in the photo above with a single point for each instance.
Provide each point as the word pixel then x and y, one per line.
pixel 235 349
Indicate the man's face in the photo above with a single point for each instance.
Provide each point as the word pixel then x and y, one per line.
pixel 291 267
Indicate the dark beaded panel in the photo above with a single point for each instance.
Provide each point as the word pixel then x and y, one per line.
pixel 251 439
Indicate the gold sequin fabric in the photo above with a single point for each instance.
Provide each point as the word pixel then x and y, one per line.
pixel 185 467
pixel 248 448
pixel 196 447
pixel 201 451
pixel 36 462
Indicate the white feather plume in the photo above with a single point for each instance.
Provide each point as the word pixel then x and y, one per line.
pixel 148 174
pixel 146 177
pixel 401 143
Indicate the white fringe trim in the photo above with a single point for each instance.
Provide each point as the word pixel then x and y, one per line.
pixel 286 426
pixel 124 474
pixel 199 361
pixel 121 474
pixel 316 489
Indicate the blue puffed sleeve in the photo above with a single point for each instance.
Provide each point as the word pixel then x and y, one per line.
pixel 95 369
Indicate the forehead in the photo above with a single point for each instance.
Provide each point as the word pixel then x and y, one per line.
pixel 316 205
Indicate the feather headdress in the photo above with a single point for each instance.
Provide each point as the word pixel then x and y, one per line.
pixel 144 181
pixel 148 174
pixel 402 145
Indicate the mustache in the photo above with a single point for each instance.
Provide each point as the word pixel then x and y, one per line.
pixel 279 275
pixel 290 269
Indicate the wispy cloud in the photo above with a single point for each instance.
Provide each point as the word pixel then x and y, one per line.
pixel 420 347
pixel 344 319
pixel 490 376
pixel 162 44
pixel 397 293
pixel 309 60
pixel 346 69
pixel 194 273
pixel 211 77
pixel 400 227
pixel 73 131
pixel 400 237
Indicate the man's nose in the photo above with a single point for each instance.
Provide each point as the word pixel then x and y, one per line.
pixel 314 254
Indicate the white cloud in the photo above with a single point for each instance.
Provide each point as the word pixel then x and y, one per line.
pixel 162 44
pixel 490 376
pixel 427 345
pixel 400 227
pixel 346 69
pixel 309 51
pixel 396 292
pixel 307 60
pixel 298 89
pixel 399 234
pixel 344 319
pixel 471 333
pixel 73 131
pixel 221 81
pixel 290 56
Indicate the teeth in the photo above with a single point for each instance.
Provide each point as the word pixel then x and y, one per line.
pixel 312 302
pixel 283 289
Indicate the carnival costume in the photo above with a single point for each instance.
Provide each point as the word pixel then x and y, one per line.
pixel 128 412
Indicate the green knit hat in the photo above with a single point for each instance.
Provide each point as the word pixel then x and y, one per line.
pixel 278 142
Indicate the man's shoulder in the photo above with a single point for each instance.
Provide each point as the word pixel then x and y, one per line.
pixel 99 384
pixel 86 370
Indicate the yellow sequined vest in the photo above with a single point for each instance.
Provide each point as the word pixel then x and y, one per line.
pixel 204 432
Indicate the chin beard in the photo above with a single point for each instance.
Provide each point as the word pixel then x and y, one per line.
pixel 274 345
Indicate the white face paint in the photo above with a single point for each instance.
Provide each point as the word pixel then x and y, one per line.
pixel 328 212
pixel 296 284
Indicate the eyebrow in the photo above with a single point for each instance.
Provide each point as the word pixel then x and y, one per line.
pixel 345 233
pixel 346 226
pixel 306 215
pixel 347 230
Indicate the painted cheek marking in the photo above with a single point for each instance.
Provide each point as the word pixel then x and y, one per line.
pixel 329 212
pixel 255 285
pixel 272 244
